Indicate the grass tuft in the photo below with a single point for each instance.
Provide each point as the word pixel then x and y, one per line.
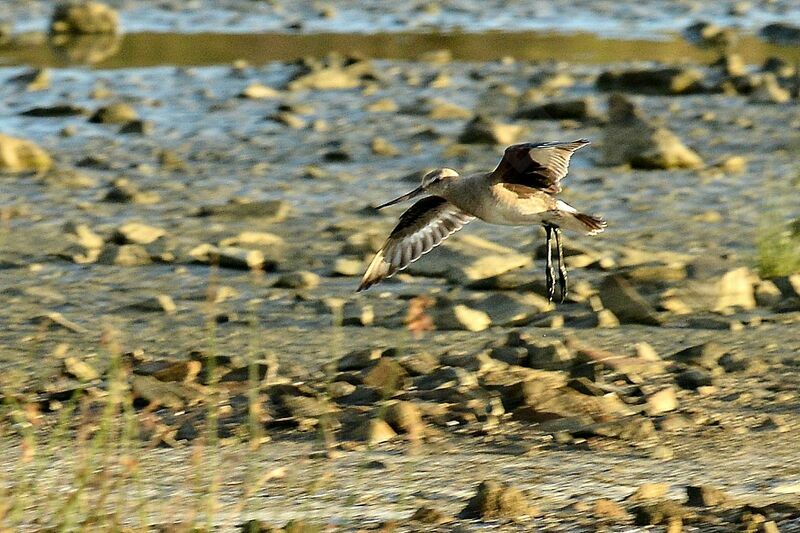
pixel 777 250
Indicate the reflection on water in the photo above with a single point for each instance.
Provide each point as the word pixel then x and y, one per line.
pixel 152 49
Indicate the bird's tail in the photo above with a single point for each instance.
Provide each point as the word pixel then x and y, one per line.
pixel 590 224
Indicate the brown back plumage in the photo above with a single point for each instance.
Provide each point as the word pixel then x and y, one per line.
pixel 537 165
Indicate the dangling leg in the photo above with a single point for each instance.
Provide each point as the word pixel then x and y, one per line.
pixel 549 271
pixel 562 268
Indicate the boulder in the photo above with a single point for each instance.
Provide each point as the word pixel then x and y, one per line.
pixel 21 155
pixel 630 139
pixel 84 18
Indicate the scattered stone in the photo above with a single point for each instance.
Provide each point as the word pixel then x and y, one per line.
pixel 494 501
pixel 54 111
pixel 549 355
pixel 405 417
pixel 661 401
pixel 231 257
pixel 346 266
pixel 84 18
pixel 663 512
pixel 634 429
pixel 705 496
pixel 80 370
pixel 604 508
pixel 179 371
pixel 259 91
pixel 447 316
pixel 84 236
pixel 735 289
pixel 648 491
pixel 123 191
pixel 290 120
pixel 710 35
pixel 483 130
pixel 137 127
pixel 127 255
pixel 384 105
pixel 619 296
pixel 21 155
pixel 781 33
pixel 513 310
pixel 375 431
pixel 579 109
pixel 670 81
pixel 427 515
pixel 381 146
pixel 767 294
pixel 301 279
pixel 161 393
pixel 267 210
pixel 446 377
pixel 117 113
pixel 387 376
pixel 734 164
pixel 704 355
pixel 731 64
pixel 253 238
pixel 630 139
pixel 769 91
pixel 359 359
pixel 332 78
pixel 34 80
pixel 693 379
pixel 136 233
pixel 162 303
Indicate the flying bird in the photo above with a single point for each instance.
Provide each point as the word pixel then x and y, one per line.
pixel 521 191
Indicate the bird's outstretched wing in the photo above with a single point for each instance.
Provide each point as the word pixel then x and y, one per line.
pixel 537 165
pixel 422 227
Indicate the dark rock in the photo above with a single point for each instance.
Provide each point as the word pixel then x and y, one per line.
pixel 710 35
pixel 619 296
pixel 125 255
pixel 704 355
pixel 549 355
pixel 267 210
pixel 387 376
pixel 705 496
pixel 629 138
pixel 54 111
pixel 578 109
pixel 483 130
pixel 693 378
pixel 118 113
pixel 359 359
pixel 653 81
pixel 137 127
pixel 781 33
pixel 405 417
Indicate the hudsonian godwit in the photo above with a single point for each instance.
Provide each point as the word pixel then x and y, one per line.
pixel 520 191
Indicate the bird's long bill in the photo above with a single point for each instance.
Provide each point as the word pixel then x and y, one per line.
pixel 408 196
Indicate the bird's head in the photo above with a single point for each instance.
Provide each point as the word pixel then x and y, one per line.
pixel 434 182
